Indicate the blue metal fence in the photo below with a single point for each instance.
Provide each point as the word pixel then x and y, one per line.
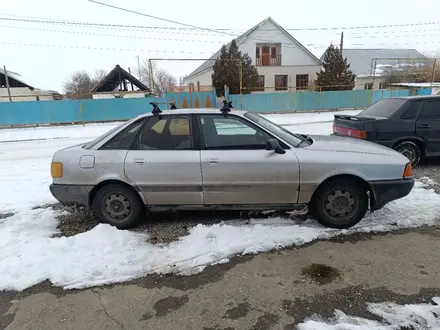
pixel 301 101
pixel 92 110
pixel 68 111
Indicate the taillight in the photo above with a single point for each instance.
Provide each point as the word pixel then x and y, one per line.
pixel 408 172
pixel 351 132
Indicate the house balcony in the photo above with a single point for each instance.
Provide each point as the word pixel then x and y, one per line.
pixel 268 60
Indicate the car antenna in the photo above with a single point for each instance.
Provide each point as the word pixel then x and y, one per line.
pixel 156 111
pixel 227 106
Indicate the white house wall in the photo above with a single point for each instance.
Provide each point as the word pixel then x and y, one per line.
pixel 269 73
pixel 361 81
pixel 204 79
pixel 294 59
pixel 23 94
pixel 290 54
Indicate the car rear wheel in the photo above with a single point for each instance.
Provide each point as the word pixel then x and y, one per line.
pixel 118 206
pixel 340 203
pixel 410 150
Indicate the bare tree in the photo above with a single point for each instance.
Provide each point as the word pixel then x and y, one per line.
pixel 162 79
pixel 80 83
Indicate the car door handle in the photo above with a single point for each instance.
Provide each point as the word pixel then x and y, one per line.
pixel 139 161
pixel 424 126
pixel 212 161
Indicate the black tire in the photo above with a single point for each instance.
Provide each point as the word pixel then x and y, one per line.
pixel 347 191
pixel 410 150
pixel 118 206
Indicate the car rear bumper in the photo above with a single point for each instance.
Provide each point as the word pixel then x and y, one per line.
pixel 71 194
pixel 389 190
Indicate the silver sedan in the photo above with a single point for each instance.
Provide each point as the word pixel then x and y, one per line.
pixel 199 159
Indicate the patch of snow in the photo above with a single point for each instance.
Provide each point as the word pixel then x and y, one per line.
pixel 29 253
pixel 394 316
pixel 86 132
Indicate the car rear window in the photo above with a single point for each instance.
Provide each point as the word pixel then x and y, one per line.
pixel 383 108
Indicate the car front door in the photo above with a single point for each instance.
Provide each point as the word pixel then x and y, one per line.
pixel 164 164
pixel 428 126
pixel 238 170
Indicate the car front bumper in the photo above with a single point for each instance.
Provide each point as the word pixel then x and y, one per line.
pixel 389 190
pixel 71 194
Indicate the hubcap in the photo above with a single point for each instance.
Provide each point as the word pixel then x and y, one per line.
pixel 408 153
pixel 117 207
pixel 340 204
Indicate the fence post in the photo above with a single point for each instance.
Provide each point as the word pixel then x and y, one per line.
pixel 226 92
pixel 165 96
pixel 214 98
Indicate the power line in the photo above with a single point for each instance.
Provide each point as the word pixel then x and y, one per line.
pixel 205 41
pixel 172 51
pixel 188 25
pixel 110 48
pixel 100 48
pixel 36 19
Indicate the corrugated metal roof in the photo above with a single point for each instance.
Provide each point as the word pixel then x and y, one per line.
pixel 209 63
pixel 14 75
pixel 361 60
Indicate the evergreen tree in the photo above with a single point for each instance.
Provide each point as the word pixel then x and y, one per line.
pixel 336 75
pixel 226 71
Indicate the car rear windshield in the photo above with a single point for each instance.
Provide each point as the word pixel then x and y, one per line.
pixel 102 137
pixel 383 108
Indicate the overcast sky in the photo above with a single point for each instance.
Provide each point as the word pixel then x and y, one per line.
pixel 26 47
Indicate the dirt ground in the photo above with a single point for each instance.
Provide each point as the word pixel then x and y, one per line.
pixel 275 290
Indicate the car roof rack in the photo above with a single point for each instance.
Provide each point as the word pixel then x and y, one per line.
pixel 227 106
pixel 173 106
pixel 156 110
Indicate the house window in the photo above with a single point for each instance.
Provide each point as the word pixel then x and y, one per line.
pixel 257 52
pixel 281 82
pixel 302 81
pixel 382 85
pixel 273 52
pixel 368 86
pixel 260 84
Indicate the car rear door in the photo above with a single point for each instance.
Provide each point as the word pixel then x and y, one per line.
pixel 236 168
pixel 428 126
pixel 164 164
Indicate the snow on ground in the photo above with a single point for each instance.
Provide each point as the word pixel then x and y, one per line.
pixel 416 317
pixel 29 254
pixel 87 132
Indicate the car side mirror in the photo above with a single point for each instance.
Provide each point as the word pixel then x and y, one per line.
pixel 273 144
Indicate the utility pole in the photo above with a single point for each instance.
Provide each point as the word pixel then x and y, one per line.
pixel 129 71
pixel 7 83
pixel 139 67
pixel 342 42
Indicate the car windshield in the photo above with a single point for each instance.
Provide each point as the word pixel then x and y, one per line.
pixel 102 137
pixel 292 138
pixel 383 108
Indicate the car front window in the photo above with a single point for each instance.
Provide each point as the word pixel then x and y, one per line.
pixel 292 138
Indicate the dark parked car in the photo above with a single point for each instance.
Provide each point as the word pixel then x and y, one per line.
pixel 410 125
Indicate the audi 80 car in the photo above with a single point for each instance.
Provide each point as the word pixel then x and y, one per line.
pixel 228 159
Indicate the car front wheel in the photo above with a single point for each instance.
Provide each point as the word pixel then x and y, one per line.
pixel 340 203
pixel 118 206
